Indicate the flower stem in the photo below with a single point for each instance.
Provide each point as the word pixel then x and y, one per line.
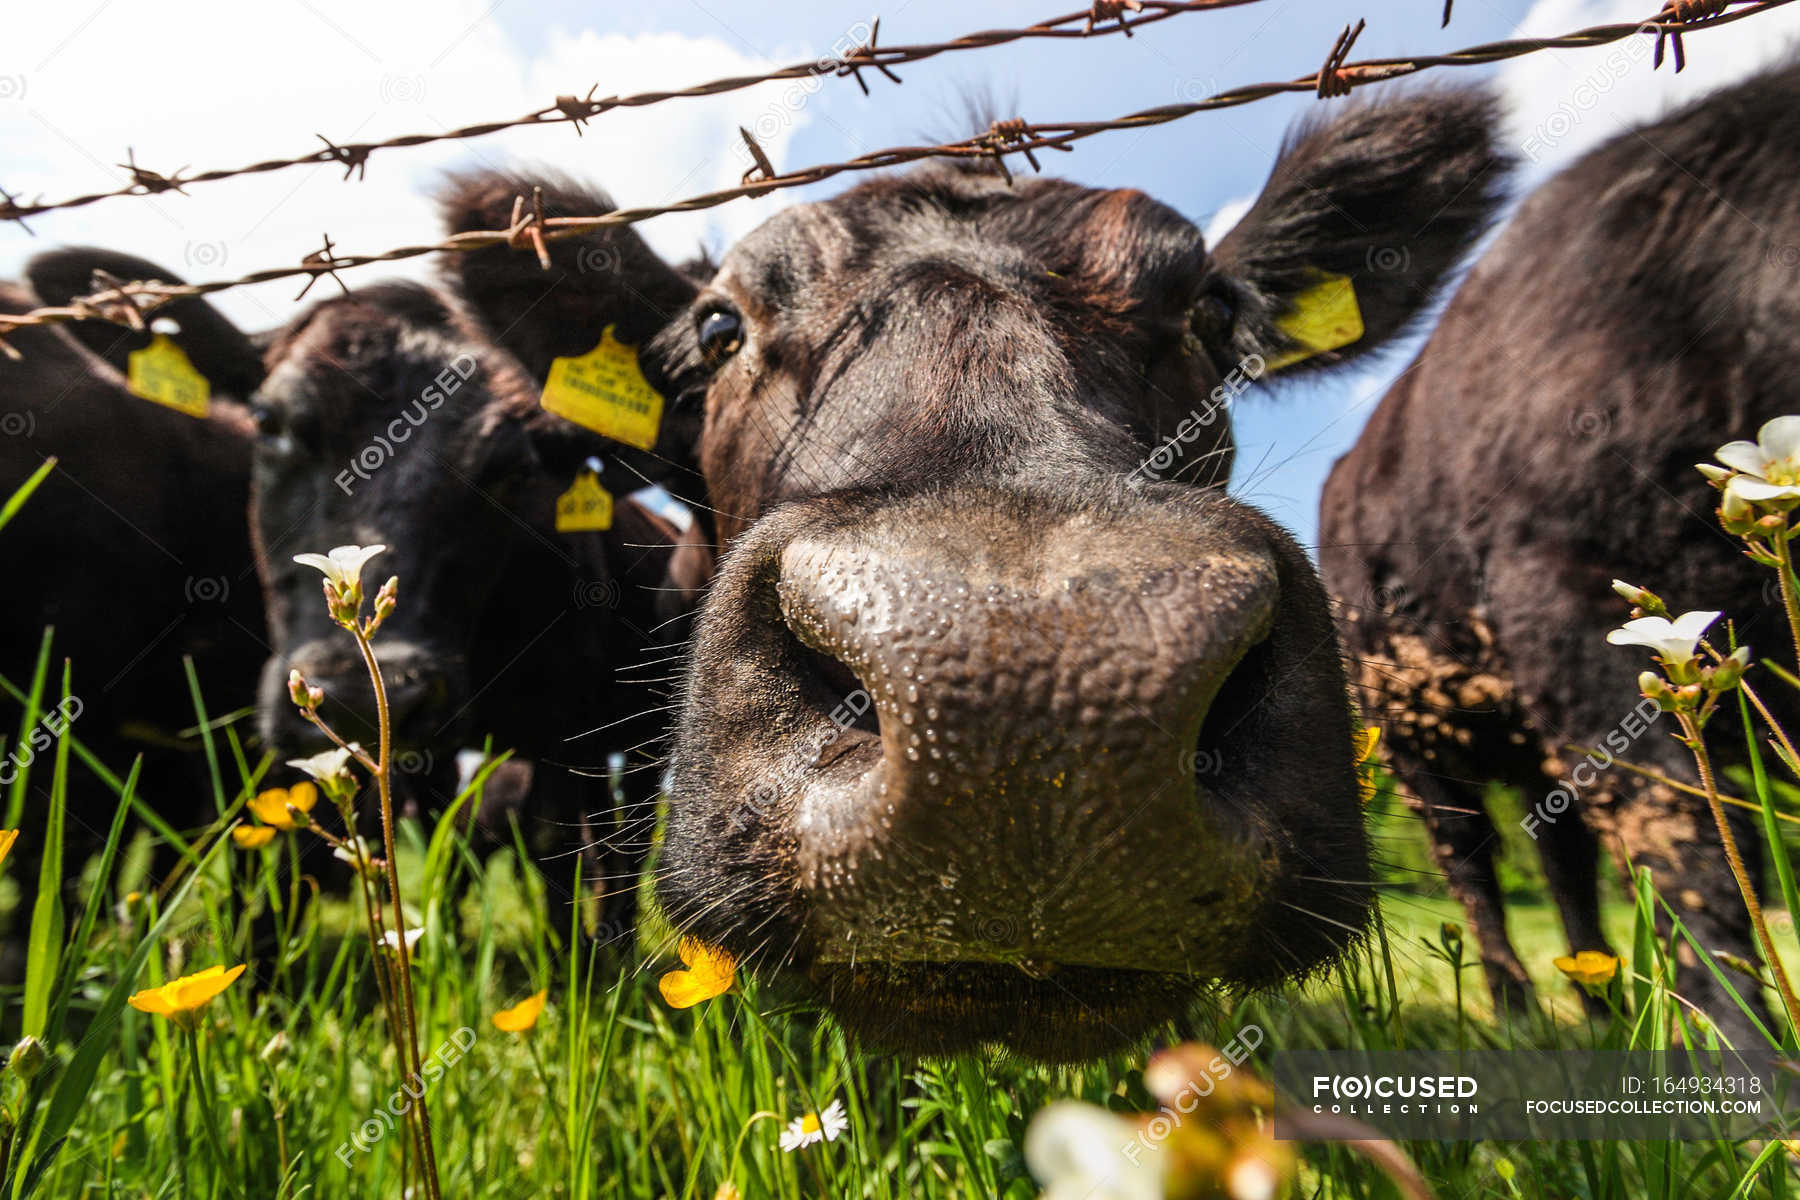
pixel 1790 600
pixel 1754 906
pixel 409 1032
pixel 202 1095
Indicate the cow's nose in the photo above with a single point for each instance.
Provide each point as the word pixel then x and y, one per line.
pixel 417 684
pixel 1013 714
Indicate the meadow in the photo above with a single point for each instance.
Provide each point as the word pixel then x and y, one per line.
pixel 555 1064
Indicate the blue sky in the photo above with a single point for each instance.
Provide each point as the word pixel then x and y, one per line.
pixel 238 83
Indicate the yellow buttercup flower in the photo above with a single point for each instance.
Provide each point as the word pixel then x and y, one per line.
pixel 1366 740
pixel 521 1016
pixel 272 806
pixel 182 999
pixel 7 838
pixel 1590 968
pixel 728 1191
pixel 709 973
pixel 252 837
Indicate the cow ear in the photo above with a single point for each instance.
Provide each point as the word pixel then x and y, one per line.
pixel 606 277
pixel 218 349
pixel 1361 221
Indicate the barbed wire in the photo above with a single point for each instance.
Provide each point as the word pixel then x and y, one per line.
pixel 1097 20
pixel 130 303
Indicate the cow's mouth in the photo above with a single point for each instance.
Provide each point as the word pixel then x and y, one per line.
pixel 1051 1014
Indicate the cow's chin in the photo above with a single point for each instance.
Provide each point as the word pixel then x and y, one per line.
pixel 1043 1012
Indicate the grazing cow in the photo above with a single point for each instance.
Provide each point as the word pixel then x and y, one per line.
pixel 1638 312
pixel 388 417
pixel 990 736
pixel 136 548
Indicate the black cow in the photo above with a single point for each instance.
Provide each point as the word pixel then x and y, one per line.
pixel 990 735
pixel 389 417
pixel 136 548
pixel 1639 311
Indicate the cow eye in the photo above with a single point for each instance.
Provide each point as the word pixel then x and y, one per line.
pixel 1213 317
pixel 266 418
pixel 721 335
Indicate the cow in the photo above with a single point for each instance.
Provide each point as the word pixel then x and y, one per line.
pixel 389 416
pixel 135 548
pixel 991 734
pixel 1637 312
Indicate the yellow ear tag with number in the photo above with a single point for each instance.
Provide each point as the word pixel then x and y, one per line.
pixel 605 390
pixel 586 505
pixel 162 373
pixel 1324 317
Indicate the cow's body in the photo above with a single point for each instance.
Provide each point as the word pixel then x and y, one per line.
pixel 1639 311
pixel 507 628
pixel 136 547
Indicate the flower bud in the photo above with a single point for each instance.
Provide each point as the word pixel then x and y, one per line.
pixel 297 691
pixel 1656 688
pixel 28 1058
pixel 1726 675
pixel 276 1048
pixel 1641 598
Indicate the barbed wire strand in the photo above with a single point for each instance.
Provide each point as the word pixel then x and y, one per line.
pixel 1098 20
pixel 130 303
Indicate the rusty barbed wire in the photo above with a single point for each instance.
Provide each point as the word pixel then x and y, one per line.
pixel 1099 19
pixel 533 229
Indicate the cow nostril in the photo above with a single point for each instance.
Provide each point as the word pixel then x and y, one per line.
pixel 845 699
pixel 1238 700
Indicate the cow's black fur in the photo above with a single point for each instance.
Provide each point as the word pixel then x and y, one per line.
pixel 1640 310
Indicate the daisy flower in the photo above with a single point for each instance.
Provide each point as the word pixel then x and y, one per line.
pixel 814 1128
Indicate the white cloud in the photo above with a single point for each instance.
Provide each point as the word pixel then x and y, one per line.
pixel 74 94
pixel 1227 215
pixel 1561 103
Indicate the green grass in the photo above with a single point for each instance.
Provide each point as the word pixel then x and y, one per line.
pixel 276 1091
pixel 615 1094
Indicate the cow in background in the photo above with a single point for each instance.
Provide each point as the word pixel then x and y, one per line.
pixel 1642 309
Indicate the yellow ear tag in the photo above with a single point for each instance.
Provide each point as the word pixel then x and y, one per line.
pixel 605 390
pixel 161 372
pixel 1324 317
pixel 586 505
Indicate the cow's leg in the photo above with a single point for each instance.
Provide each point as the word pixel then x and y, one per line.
pixel 1570 855
pixel 1464 843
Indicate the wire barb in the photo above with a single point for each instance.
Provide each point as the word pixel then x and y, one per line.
pixel 1682 12
pixel 322 262
pixel 579 110
pixel 867 54
pixel 526 230
pixel 761 170
pixel 1112 10
pixel 12 210
pixel 1334 80
pixel 151 181
pixel 355 157
pixel 112 300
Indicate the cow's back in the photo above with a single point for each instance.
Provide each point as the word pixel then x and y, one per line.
pixel 1640 310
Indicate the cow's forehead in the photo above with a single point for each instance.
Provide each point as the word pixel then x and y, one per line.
pixel 955 214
